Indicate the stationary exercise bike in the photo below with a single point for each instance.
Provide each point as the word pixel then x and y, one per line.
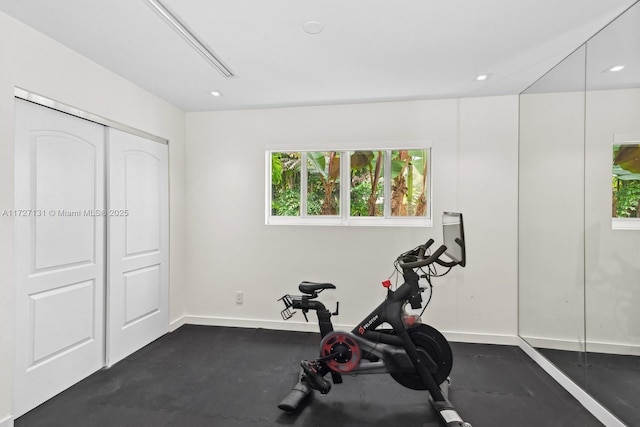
pixel 416 355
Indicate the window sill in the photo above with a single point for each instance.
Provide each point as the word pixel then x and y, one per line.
pixel 625 223
pixel 351 221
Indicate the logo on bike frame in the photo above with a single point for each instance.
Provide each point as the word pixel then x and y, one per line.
pixel 362 329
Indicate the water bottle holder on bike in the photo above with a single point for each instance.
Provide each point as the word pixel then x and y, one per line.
pixel 288 311
pixel 306 303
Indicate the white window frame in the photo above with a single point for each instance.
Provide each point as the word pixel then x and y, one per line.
pixel 345 218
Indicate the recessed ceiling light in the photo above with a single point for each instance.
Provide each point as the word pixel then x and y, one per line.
pixel 615 68
pixel 481 77
pixel 215 93
pixel 313 27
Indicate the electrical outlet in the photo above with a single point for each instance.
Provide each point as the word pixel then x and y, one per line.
pixel 239 297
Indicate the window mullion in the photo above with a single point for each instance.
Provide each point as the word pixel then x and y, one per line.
pixel 387 184
pixel 345 186
pixel 269 186
pixel 303 184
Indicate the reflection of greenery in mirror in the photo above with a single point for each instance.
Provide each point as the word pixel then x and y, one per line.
pixel 367 183
pixel 626 181
pixel 323 183
pixel 409 182
pixel 285 184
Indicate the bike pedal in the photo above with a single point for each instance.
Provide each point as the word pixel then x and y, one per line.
pixel 314 378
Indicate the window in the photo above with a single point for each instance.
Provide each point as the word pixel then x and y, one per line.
pixel 349 187
pixel 285 184
pixel 323 183
pixel 367 183
pixel 625 187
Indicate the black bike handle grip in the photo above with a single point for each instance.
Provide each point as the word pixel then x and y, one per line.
pixel 436 254
pixel 423 248
pixel 426 261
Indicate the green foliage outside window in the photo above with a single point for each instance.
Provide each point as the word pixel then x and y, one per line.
pixel 323 183
pixel 285 184
pixel 407 188
pixel 367 183
pixel 409 182
pixel 626 181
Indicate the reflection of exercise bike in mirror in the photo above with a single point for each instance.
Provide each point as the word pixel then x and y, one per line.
pixel 414 354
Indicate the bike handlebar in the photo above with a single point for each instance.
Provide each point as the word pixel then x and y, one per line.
pixel 416 259
pixel 423 248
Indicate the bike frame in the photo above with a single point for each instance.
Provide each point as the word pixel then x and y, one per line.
pixel 381 350
pixel 380 344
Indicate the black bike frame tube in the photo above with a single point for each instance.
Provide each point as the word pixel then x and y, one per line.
pixel 324 323
pixel 384 338
pixel 391 307
pixel 390 311
pixel 377 317
pixel 414 356
pixel 324 315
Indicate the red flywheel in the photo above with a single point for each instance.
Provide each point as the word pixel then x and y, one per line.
pixel 340 352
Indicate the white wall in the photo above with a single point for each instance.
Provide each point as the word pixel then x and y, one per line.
pixel 229 248
pixel 38 64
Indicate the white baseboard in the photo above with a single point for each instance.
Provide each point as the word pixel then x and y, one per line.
pixel 175 324
pixel 609 348
pixel 7 421
pixel 555 344
pixel 591 347
pixel 466 337
pixel 313 327
pixel 598 411
pixel 476 338
pixel 255 323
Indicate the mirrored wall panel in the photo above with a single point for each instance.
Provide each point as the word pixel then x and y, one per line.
pixel 612 216
pixel 551 215
pixel 579 217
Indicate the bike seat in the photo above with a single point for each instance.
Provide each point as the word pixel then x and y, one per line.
pixel 312 287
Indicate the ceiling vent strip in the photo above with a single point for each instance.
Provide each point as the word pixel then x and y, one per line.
pixel 175 22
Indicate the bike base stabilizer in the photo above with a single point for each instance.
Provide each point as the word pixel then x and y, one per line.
pixel 295 397
pixel 445 409
pixel 297 394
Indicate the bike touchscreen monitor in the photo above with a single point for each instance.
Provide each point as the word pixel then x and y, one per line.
pixel 453 234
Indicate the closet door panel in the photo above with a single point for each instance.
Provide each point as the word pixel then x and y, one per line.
pixel 138 223
pixel 60 255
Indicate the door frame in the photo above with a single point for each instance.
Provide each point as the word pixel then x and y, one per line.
pixel 68 109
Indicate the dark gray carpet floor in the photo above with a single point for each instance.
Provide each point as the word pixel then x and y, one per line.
pixel 613 380
pixel 214 376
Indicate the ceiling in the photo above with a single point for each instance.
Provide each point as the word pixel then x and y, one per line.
pixel 368 50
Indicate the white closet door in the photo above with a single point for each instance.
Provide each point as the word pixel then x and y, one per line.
pixel 59 252
pixel 138 224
